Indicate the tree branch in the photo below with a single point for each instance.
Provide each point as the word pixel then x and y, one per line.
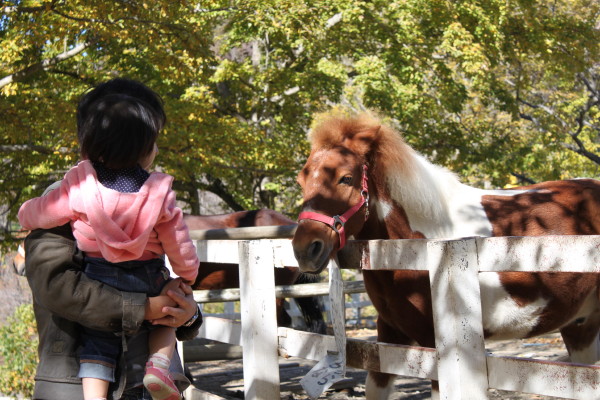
pixel 580 149
pixel 578 146
pixel 43 65
pixel 24 9
pixel 523 178
pixel 217 187
pixel 11 148
pixel 14 9
pixel 15 202
pixel 73 75
pixel 109 22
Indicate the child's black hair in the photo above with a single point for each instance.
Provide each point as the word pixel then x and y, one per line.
pixel 120 86
pixel 119 130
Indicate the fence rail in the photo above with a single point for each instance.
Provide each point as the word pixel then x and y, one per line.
pixel 459 361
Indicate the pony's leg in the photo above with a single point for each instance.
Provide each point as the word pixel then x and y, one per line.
pixel 379 385
pixel 582 340
pixel 283 318
pixel 284 276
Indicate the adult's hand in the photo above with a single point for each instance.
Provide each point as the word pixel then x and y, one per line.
pixel 155 306
pixel 185 306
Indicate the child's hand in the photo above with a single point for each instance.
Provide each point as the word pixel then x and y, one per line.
pixel 156 305
pixel 174 285
pixel 185 308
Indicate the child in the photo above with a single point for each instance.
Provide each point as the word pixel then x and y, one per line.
pixel 124 219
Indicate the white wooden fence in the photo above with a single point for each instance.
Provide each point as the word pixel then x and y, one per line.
pixel 459 361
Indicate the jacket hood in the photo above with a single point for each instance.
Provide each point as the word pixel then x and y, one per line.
pixel 109 213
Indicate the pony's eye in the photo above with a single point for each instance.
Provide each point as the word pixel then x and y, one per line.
pixel 346 180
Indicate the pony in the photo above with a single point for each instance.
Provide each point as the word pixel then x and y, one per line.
pixel 17 263
pixel 213 276
pixel 361 180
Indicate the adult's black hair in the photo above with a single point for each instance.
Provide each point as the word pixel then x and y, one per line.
pixel 119 86
pixel 119 130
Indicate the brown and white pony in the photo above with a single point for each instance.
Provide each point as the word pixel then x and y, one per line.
pixel 18 261
pixel 357 164
pixel 213 276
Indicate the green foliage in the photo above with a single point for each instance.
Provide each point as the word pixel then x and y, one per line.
pixel 18 352
pixel 489 88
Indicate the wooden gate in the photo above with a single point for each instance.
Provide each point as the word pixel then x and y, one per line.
pixel 459 361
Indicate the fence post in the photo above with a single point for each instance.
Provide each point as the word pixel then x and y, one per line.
pixel 259 323
pixel 453 274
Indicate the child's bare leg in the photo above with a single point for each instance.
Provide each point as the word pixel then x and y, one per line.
pixel 158 380
pixel 94 388
pixel 162 340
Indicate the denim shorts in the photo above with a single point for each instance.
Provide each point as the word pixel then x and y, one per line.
pixel 100 350
pixel 131 276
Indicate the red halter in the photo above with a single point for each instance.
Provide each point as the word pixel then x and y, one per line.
pixel 340 220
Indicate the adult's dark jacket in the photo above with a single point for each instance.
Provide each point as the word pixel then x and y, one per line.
pixel 65 298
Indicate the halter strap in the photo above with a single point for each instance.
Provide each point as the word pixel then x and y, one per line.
pixel 337 222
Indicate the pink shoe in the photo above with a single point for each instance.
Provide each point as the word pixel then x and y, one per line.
pixel 160 386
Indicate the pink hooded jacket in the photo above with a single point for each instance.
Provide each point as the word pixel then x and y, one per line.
pixel 117 226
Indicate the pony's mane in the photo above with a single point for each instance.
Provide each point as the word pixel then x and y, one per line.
pixel 413 182
pixel 339 129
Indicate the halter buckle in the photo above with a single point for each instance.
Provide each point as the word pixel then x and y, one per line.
pixel 337 220
pixel 365 194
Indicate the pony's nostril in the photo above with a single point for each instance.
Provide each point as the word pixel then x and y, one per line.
pixel 315 249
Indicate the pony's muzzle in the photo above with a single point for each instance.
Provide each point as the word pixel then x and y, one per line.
pixel 312 257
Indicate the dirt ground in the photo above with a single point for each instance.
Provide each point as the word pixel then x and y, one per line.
pixel 225 378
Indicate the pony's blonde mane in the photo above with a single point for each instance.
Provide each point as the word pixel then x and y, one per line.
pixel 340 128
pixel 419 186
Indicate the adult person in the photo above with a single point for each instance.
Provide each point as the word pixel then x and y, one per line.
pixel 65 299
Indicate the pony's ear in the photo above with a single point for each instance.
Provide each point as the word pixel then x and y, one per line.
pixel 370 135
pixel 366 140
